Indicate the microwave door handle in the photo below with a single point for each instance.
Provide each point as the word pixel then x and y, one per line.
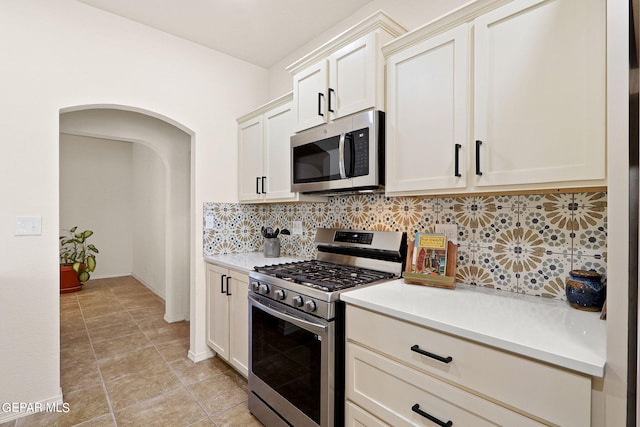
pixel 343 173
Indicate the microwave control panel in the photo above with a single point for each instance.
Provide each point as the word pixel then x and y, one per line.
pixel 360 142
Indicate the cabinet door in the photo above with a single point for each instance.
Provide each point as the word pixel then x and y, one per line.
pixel 427 114
pixel 278 128
pixel 540 92
pixel 239 322
pixel 352 74
pixel 218 310
pixel 309 98
pixel 250 160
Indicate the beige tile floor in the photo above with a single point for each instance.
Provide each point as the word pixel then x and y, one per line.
pixel 123 365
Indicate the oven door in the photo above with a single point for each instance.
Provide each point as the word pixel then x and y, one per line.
pixel 291 365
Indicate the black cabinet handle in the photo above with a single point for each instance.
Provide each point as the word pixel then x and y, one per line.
pixel 320 96
pixel 222 283
pixel 329 108
pixel 263 178
pixel 417 349
pixel 416 408
pixel 257 185
pixel 457 154
pixel 478 144
pixel 228 293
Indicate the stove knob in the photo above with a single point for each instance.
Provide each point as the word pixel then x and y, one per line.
pixel 280 294
pixel 298 301
pixel 263 289
pixel 310 306
pixel 255 286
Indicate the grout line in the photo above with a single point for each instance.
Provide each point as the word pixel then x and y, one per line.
pixel 102 383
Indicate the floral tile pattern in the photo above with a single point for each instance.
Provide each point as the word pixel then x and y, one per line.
pixel 518 243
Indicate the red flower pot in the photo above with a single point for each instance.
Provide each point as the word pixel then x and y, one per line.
pixel 69 279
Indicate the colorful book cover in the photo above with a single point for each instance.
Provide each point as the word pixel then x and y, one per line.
pixel 430 254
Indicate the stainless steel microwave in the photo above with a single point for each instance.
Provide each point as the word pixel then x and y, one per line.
pixel 346 155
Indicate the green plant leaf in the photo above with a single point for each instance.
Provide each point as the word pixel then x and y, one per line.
pixel 87 233
pixel 83 277
pixel 91 263
pixel 93 248
pixel 73 229
pixel 76 267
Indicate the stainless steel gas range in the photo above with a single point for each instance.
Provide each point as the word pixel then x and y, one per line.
pixel 296 325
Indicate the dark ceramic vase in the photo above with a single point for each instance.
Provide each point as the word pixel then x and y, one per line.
pixel 585 290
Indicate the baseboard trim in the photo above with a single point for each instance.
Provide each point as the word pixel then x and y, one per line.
pixel 176 318
pixel 148 286
pixel 200 356
pixel 52 402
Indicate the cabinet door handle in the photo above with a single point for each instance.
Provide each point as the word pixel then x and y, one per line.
pixel 478 144
pixel 263 178
pixel 330 92
pixel 257 185
pixel 417 349
pixel 416 408
pixel 320 96
pixel 228 293
pixel 457 162
pixel 222 283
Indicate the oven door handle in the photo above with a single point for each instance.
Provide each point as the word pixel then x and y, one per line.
pixel 316 328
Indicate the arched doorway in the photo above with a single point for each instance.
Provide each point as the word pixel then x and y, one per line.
pixel 152 231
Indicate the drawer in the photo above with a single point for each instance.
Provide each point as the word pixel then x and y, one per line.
pixel 357 417
pixel 396 394
pixel 555 395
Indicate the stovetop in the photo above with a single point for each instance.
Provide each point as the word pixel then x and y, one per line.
pixel 346 259
pixel 322 275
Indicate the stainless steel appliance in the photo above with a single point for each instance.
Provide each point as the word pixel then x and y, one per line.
pixel 296 325
pixel 346 155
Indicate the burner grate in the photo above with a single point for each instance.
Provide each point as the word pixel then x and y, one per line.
pixel 323 275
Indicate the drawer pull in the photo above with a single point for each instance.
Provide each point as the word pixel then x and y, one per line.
pixel 416 408
pixel 417 349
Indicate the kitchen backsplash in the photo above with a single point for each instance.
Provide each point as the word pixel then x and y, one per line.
pixel 518 243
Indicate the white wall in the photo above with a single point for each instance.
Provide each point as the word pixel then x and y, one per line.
pixel 60 54
pixel 96 194
pixel 409 13
pixel 149 219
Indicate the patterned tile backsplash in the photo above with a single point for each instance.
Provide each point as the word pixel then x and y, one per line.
pixel 518 243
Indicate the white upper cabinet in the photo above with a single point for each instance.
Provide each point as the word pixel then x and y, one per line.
pixel 345 75
pixel 264 153
pixel 354 75
pixel 309 88
pixel 278 125
pixel 251 163
pixel 540 92
pixel 515 90
pixel 427 114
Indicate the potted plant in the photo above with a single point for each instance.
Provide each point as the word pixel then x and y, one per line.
pixel 77 259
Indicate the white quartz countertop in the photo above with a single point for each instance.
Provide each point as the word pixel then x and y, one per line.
pixel 543 329
pixel 245 262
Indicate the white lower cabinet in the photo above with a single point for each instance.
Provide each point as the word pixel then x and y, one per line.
pixel 228 315
pixel 391 375
pixel 357 417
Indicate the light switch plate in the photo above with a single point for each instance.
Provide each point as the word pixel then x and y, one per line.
pixel 208 222
pixel 28 226
pixel 451 230
pixel 297 227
